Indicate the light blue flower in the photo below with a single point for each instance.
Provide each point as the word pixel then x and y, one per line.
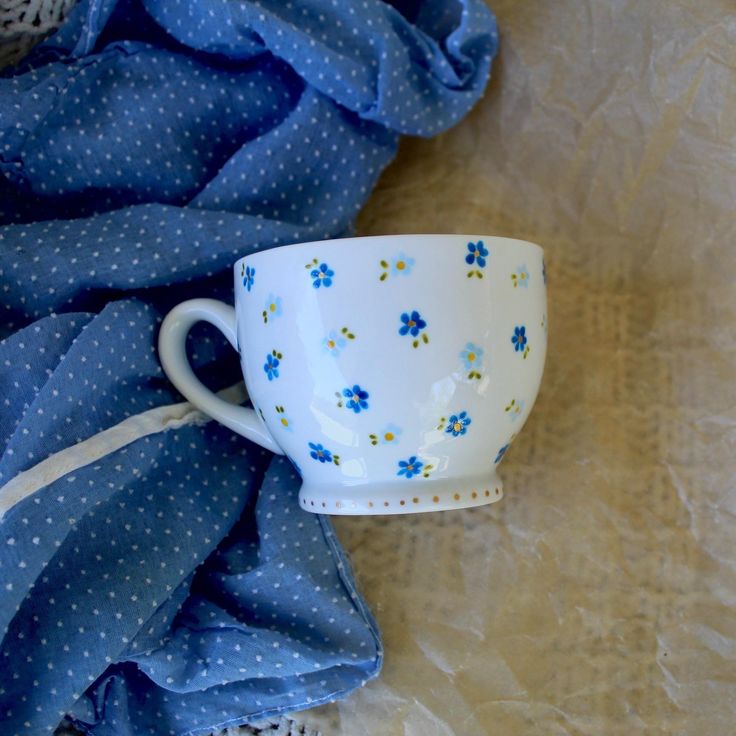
pixel 272 307
pixel 521 277
pixel 334 343
pixel 472 357
pixel 284 419
pixel 401 265
pixel 390 434
pixel 515 408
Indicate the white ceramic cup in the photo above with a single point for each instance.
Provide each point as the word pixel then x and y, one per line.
pixel 393 371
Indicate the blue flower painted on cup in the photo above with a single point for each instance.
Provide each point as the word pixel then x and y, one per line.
pixel 401 265
pixel 284 418
pixel 249 276
pixel 515 407
pixel 519 340
pixel 477 253
pixel 472 358
pixel 322 276
pixel 521 277
pixel 501 453
pixel 389 435
pixel 272 308
pixel 411 467
pixel 322 454
pixel 412 324
pixel 271 366
pixel 357 398
pixel 476 256
pixel 458 424
pixel 334 343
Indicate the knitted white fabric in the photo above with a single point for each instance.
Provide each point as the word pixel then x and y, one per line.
pixel 23 23
pixel 279 726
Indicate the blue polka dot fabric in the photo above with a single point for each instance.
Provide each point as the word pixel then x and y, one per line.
pixel 156 573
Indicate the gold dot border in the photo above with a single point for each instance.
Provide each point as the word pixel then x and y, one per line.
pixel 414 501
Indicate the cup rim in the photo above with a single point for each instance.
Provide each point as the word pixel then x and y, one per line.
pixel 371 239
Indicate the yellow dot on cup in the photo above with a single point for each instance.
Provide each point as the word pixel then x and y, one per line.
pixel 272 307
pixel 284 421
pixel 389 436
pixel 498 491
pixel 402 502
pixel 436 499
pixel 457 496
pixel 474 494
pixel 415 500
pixel 400 265
pixel 487 492
pixel 471 357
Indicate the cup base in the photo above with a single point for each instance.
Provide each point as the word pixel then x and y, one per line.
pixel 407 497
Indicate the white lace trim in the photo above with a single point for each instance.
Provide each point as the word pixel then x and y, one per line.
pixel 110 440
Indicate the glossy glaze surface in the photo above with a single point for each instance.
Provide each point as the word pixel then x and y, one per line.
pixel 394 371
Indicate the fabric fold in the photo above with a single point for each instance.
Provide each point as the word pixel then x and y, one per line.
pixel 158 576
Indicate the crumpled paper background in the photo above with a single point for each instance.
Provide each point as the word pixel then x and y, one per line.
pixel 598 596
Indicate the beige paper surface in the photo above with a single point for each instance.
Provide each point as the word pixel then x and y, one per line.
pixel 599 597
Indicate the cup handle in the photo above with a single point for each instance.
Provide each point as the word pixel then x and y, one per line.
pixel 172 352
